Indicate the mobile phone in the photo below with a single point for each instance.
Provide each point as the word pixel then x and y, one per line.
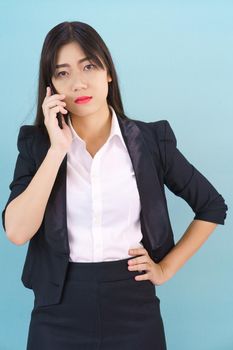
pixel 59 114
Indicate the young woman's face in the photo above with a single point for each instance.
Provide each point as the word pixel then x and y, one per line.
pixel 80 79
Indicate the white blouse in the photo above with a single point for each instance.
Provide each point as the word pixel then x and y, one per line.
pixel 103 204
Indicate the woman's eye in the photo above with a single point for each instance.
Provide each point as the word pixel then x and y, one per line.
pixel 58 74
pixel 88 65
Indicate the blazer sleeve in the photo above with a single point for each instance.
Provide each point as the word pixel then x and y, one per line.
pixel 24 167
pixel 185 181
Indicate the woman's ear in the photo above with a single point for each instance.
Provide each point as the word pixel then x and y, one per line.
pixel 109 78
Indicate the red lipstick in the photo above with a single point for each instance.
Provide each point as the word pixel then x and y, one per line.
pixel 83 99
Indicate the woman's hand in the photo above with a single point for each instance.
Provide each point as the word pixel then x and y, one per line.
pixel 60 139
pixel 154 272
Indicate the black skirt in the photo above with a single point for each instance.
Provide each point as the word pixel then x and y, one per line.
pixel 102 307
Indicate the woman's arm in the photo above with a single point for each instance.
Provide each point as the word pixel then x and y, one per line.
pixel 30 189
pixel 196 234
pixel 183 179
pixel 24 214
pixel 186 181
pixel 158 273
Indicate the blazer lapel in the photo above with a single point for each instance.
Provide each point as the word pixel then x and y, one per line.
pixel 155 226
pixel 154 219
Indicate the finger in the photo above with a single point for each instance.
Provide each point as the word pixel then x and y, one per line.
pixel 53 103
pixel 138 260
pixel 54 111
pixel 57 96
pixel 48 91
pixel 138 267
pixel 64 123
pixel 53 96
pixel 137 251
pixel 59 109
pixel 63 120
pixel 144 276
pixel 50 107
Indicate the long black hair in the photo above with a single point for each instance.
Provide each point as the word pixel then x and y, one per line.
pixel 92 45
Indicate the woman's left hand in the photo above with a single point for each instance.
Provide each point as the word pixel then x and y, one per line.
pixel 154 271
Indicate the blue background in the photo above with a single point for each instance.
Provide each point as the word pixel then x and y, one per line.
pixel 174 62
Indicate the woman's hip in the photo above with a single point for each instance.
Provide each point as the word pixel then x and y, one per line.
pixel 102 307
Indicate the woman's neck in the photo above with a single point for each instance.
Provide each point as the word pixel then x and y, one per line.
pixel 93 127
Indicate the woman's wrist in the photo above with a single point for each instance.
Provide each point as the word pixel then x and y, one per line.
pixel 57 152
pixel 166 273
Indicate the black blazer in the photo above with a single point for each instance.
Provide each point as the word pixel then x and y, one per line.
pixel 156 160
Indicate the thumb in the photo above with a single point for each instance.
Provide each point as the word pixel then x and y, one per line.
pixel 64 122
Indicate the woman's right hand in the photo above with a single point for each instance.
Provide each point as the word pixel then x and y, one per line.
pixel 60 139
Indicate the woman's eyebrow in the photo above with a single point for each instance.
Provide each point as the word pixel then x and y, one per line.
pixel 67 65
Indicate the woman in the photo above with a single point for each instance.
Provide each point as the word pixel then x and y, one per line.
pixel 88 195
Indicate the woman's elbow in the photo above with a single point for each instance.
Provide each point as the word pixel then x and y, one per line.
pixel 15 239
pixel 216 212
